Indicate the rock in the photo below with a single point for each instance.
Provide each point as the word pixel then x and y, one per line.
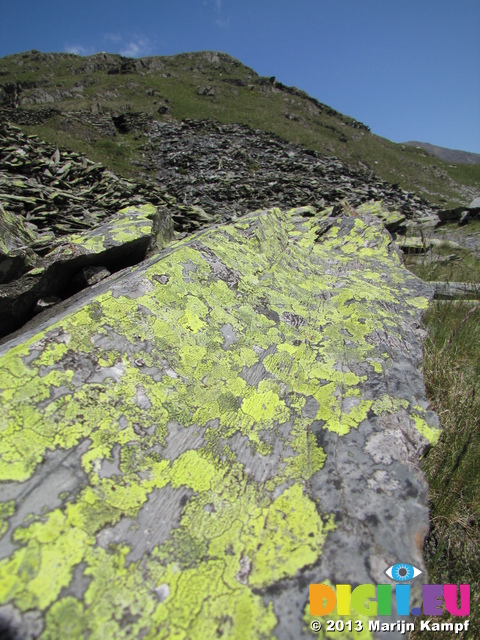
pixel 423 244
pixel 15 237
pixel 162 230
pixel 206 91
pixel 238 417
pixel 61 192
pixel 90 276
pixel 456 290
pixel 472 212
pixel 116 243
pixel 475 204
pixel 465 218
pixel 231 169
pixel 46 303
pixel 449 215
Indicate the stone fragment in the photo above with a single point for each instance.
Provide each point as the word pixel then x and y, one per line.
pixel 90 276
pixel 45 303
pixel 456 290
pixel 15 237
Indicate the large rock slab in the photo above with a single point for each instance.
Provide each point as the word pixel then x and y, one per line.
pixel 187 446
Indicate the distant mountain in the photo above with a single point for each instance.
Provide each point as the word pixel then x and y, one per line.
pixel 449 155
pixel 104 106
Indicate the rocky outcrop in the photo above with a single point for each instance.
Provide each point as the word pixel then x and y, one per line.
pixel 231 169
pixel 188 444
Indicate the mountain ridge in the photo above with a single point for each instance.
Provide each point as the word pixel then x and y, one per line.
pixel 449 155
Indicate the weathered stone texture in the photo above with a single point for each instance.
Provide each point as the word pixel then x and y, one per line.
pixel 186 446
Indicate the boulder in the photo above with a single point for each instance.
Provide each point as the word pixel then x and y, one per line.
pixel 451 215
pixel 116 243
pixel 189 444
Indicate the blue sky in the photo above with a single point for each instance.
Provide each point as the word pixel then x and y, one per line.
pixel 409 69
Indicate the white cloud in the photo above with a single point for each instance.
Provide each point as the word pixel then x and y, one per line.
pixel 222 22
pixel 138 46
pixel 79 49
pixel 113 37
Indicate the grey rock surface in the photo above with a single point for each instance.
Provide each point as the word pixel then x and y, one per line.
pixel 237 417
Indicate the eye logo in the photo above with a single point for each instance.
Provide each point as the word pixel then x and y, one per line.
pixel 402 572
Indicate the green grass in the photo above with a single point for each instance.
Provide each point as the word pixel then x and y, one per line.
pixel 452 467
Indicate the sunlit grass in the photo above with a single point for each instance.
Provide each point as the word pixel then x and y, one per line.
pixel 452 467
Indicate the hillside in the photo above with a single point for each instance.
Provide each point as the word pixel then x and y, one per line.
pixel 449 155
pixel 102 105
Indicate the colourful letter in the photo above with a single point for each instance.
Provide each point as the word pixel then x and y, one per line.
pixel 450 594
pixel 364 593
pixel 402 592
pixel 384 594
pixel 431 601
pixel 319 593
pixel 343 599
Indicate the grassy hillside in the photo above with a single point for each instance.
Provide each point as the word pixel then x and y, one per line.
pixel 102 102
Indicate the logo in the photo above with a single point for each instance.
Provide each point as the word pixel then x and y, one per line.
pixel 376 600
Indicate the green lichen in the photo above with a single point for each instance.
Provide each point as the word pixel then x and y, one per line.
pixel 7 509
pixel 432 434
pixel 131 223
pixel 388 404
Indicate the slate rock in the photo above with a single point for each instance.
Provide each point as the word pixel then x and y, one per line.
pixel 475 204
pixel 449 215
pixel 116 243
pixel 230 169
pixel 15 238
pixel 90 276
pixel 199 438
pixel 472 212
pixel 456 290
